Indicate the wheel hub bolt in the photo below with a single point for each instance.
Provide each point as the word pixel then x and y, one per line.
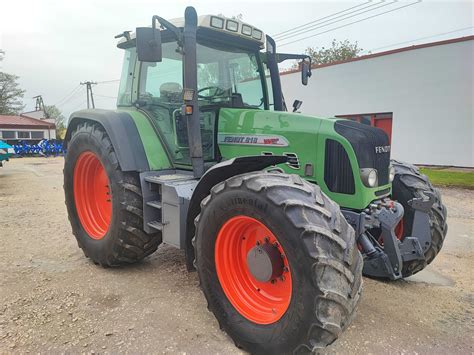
pixel 264 262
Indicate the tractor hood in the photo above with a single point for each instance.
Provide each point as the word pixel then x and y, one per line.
pixel 326 151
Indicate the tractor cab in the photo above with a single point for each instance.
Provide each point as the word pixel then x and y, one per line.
pixel 235 67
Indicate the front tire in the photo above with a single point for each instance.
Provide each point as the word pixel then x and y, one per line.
pixel 410 183
pixel 105 204
pixel 312 300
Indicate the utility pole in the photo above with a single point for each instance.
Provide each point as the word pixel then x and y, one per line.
pixel 39 105
pixel 88 85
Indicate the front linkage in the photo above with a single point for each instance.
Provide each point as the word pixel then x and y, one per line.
pixel 384 252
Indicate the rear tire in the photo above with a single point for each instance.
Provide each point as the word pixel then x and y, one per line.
pixel 123 240
pixel 319 245
pixel 410 183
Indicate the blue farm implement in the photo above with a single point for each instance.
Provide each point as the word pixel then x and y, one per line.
pixel 44 148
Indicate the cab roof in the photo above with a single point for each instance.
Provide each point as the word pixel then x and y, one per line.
pixel 220 24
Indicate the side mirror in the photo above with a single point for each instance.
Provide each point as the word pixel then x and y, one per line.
pixel 296 105
pixel 305 72
pixel 148 42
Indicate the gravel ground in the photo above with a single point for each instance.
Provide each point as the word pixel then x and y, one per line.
pixel 53 299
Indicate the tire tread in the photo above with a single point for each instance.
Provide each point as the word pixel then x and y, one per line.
pixel 328 240
pixel 131 244
pixel 417 183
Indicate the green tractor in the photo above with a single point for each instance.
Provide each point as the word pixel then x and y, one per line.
pixel 280 213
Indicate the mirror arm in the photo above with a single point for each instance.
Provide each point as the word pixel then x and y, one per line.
pixel 280 57
pixel 165 24
pixel 284 56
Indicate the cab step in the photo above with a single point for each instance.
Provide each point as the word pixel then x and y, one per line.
pixel 155 225
pixel 166 195
pixel 154 204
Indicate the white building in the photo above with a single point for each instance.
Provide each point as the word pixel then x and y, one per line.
pixel 422 95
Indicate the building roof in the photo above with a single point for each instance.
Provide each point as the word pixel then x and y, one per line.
pixel 37 114
pixel 8 121
pixel 392 51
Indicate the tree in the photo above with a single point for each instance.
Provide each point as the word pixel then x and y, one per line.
pixel 10 93
pixel 54 113
pixel 339 51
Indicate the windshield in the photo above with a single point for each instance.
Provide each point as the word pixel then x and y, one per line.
pixel 226 76
pixel 229 75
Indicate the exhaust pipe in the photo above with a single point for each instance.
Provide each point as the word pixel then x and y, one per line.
pixel 191 108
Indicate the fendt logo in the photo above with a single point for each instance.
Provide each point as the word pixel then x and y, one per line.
pixel 254 139
pixel 382 149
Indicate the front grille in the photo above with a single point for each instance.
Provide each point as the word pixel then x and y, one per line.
pixel 338 174
pixel 365 140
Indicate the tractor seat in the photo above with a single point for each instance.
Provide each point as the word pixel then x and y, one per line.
pixel 171 92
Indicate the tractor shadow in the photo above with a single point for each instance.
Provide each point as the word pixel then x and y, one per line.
pixel 166 263
pixel 425 277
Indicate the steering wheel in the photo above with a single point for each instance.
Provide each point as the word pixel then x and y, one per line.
pixel 217 92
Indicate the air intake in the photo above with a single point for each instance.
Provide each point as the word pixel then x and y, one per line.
pixel 293 161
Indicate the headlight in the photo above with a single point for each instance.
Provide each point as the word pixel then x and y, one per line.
pixel 232 26
pixel 372 178
pixel 217 22
pixel 369 177
pixel 246 30
pixel 391 174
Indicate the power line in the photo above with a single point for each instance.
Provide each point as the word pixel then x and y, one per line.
pixel 107 81
pixel 312 28
pixel 349 24
pixel 105 96
pixel 421 38
pixel 77 90
pixel 71 97
pixel 319 24
pixel 82 103
pixel 68 95
pixel 317 20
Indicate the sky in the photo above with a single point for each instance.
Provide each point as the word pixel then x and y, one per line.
pixel 54 45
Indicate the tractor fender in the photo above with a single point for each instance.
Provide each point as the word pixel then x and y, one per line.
pixel 217 173
pixel 122 132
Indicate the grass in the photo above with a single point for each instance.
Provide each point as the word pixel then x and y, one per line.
pixel 449 177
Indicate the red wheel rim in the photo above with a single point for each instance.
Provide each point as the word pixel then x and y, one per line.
pixel 259 302
pixel 92 195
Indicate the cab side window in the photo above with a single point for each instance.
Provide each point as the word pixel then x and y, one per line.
pixel 125 89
